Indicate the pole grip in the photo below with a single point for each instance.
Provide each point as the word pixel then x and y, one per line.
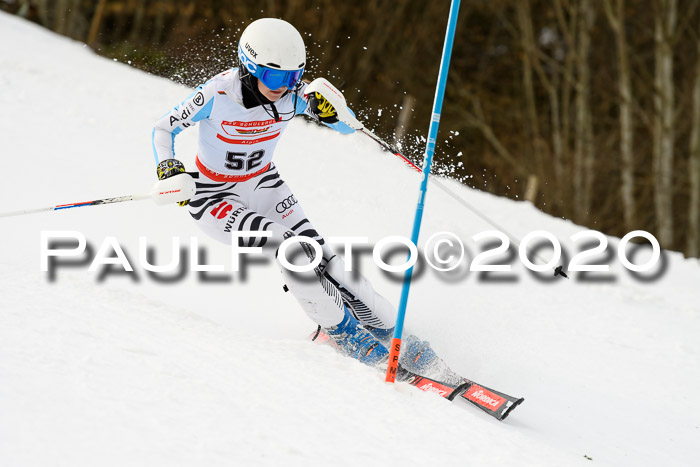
pixel 393 365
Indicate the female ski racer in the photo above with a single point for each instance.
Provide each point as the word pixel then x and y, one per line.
pixel 241 114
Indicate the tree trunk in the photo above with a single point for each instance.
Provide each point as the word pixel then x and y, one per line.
pixel 271 9
pixel 404 120
pixel 377 38
pixel 139 16
pixel 477 120
pixel 290 11
pixel 159 23
pixel 44 13
pixel 95 24
pixel 552 86
pixel 527 43
pixel 616 18
pixel 124 17
pixel 693 248
pixel 60 15
pixel 664 29
pixel 569 29
pixel 73 21
pixel 583 137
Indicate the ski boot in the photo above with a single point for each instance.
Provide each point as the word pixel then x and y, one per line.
pixel 418 357
pixel 356 342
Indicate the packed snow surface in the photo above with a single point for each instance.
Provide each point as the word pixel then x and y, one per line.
pixel 129 368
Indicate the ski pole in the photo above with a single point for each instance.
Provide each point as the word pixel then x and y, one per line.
pixel 435 181
pixel 170 190
pixel 395 349
pixel 391 149
pixel 119 199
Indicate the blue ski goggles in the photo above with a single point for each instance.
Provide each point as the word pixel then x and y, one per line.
pixel 270 77
pixel 275 79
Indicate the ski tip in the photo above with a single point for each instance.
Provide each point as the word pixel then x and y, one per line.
pixel 511 408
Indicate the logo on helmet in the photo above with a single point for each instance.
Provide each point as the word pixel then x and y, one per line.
pixel 247 62
pixel 250 49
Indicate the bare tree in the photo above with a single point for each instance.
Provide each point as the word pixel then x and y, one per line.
pixel 60 16
pixel 588 17
pixel 693 242
pixel 74 20
pixel 564 83
pixel 551 79
pixel 616 18
pixel 95 23
pixel 162 11
pixel 139 17
pixel 664 28
pixel 477 119
pixel 568 23
pixel 584 158
pixel 528 56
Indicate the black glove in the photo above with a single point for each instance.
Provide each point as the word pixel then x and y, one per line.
pixel 322 109
pixel 169 168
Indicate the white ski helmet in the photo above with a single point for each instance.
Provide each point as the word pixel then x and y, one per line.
pixel 273 51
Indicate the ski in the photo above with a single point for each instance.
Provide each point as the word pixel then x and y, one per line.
pixel 495 403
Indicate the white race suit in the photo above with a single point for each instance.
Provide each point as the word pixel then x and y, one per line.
pixel 239 189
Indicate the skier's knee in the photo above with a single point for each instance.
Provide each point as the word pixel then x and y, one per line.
pixel 298 258
pixel 373 309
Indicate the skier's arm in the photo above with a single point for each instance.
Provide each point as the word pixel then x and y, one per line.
pixel 321 111
pixel 196 107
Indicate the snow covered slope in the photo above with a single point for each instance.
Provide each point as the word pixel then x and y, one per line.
pixel 125 369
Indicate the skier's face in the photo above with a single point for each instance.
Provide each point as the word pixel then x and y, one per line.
pixel 271 95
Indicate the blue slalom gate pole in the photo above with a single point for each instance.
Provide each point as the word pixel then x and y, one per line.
pixel 395 349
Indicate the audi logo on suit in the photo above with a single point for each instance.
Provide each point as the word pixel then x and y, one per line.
pixel 285 204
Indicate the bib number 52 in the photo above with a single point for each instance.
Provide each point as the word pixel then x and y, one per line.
pixel 243 160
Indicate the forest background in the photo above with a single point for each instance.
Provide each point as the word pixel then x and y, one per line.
pixel 590 109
